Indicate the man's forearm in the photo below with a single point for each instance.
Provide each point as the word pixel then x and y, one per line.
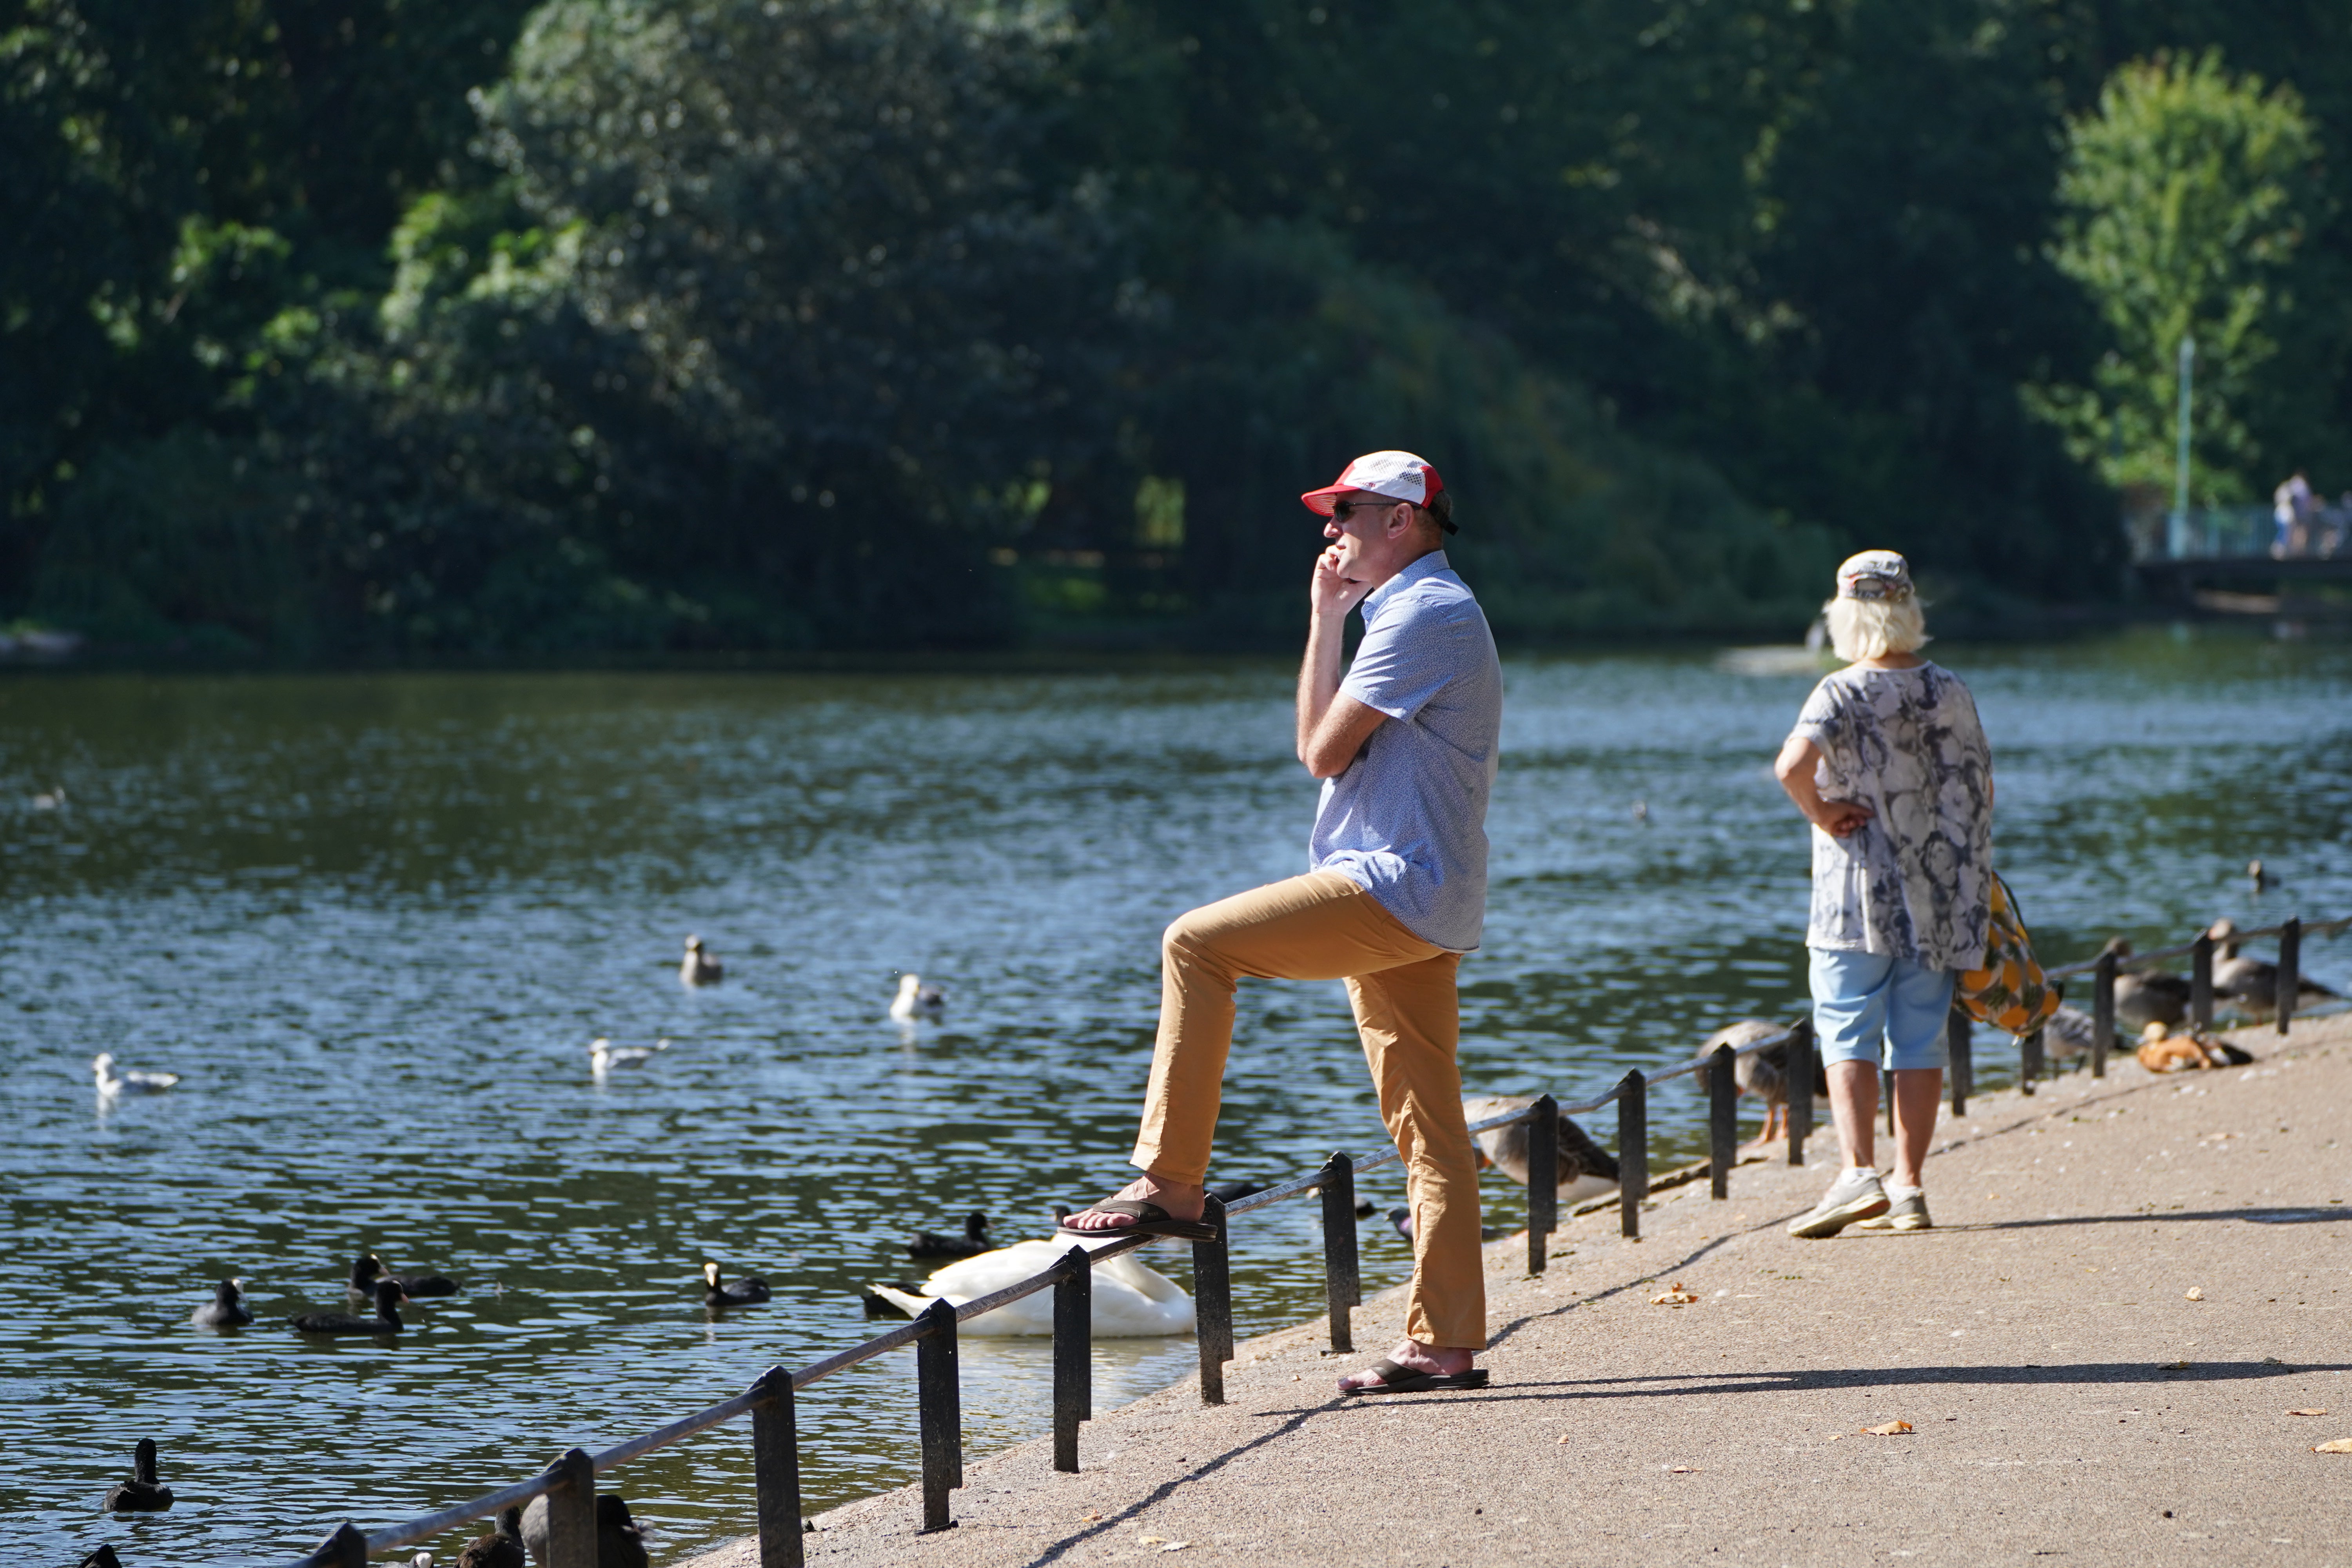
pixel 1318 677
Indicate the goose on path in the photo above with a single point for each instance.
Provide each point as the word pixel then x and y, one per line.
pixel 388 1296
pixel 748 1292
pixel 501 1548
pixel 108 1085
pixel 2252 982
pixel 698 967
pixel 604 1055
pixel 143 1493
pixel 619 1544
pixel 2066 1034
pixel 916 1000
pixel 1129 1300
pixel 971 1244
pixel 1765 1073
pixel 1585 1169
pixel 2146 996
pixel 368 1271
pixel 224 1311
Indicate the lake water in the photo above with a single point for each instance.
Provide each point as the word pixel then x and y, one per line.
pixel 375 920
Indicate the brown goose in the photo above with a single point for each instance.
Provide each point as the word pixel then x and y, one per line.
pixel 1765 1073
pixel 1585 1169
pixel 2146 996
pixel 2252 982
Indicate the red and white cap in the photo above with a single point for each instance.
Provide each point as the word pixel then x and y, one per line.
pixel 1400 476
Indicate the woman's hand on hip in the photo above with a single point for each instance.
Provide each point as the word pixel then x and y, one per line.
pixel 1840 818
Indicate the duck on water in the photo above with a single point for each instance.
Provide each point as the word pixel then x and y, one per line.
pixel 748 1292
pixel 368 1271
pixel 388 1297
pixel 143 1493
pixel 227 1309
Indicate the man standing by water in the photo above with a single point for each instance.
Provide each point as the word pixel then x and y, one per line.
pixel 1406 748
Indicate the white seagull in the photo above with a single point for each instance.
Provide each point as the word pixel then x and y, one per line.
pixel 108 1085
pixel 916 1000
pixel 604 1055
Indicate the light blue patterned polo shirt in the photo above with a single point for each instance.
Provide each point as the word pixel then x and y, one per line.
pixel 1407 821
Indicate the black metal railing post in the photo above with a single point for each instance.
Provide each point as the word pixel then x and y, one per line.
pixel 2103 1013
pixel 1722 1120
pixel 2201 984
pixel 1543 1180
pixel 1959 1049
pixel 347 1548
pixel 2029 1060
pixel 1074 1355
pixel 940 1412
pixel 1796 1110
pixel 572 1512
pixel 2290 969
pixel 1633 1151
pixel 1213 1303
pixel 776 1470
pixel 1341 1289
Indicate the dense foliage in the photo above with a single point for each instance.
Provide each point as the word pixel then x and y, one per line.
pixel 365 328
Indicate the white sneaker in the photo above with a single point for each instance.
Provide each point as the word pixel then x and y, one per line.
pixel 1908 1212
pixel 1855 1195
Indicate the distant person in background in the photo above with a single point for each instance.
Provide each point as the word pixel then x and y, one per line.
pixel 1890 765
pixel 2290 510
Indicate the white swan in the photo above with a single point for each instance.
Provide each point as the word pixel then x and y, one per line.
pixel 102 1065
pixel 604 1055
pixel 916 1000
pixel 1129 1300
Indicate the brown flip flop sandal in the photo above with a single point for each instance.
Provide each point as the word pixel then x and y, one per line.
pixel 1150 1219
pixel 1395 1379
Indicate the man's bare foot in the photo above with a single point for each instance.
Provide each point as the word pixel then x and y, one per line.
pixel 1438 1361
pixel 1180 1201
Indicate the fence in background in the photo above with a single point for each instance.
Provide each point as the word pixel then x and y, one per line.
pixel 569 1484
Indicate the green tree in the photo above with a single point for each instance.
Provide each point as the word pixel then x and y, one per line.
pixel 2188 193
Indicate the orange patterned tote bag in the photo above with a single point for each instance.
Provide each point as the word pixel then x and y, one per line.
pixel 2009 992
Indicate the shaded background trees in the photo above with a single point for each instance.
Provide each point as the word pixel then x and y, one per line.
pixel 344 328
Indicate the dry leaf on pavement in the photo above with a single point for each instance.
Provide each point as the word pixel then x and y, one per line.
pixel 2176 1367
pixel 2341 1445
pixel 1675 1296
pixel 2306 1413
pixel 1681 1470
pixel 1150 1539
pixel 1889 1430
pixel 2192 1294
pixel 1835 1435
pixel 1175 1546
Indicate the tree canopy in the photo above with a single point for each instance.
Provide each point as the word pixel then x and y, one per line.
pixel 345 329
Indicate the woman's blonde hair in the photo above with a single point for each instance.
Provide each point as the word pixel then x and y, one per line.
pixel 1873 629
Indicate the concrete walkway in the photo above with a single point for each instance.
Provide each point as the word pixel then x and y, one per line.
pixel 2133 1286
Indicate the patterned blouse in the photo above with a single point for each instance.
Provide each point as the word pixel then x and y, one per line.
pixel 1916 880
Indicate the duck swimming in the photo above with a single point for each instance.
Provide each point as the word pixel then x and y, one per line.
pixel 368 1271
pixel 224 1311
pixel 971 1244
pixel 104 1557
pixel 110 1086
pixel 916 1000
pixel 501 1548
pixel 698 967
pixel 388 1296
pixel 748 1292
pixel 141 1493
pixel 2146 996
pixel 1129 1300
pixel 1765 1073
pixel 1585 1169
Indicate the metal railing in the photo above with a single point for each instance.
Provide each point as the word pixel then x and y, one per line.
pixel 2107 965
pixel 569 1483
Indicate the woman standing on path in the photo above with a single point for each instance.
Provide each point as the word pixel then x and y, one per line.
pixel 1889 765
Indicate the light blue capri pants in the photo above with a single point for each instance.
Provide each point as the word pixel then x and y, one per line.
pixel 1874 1008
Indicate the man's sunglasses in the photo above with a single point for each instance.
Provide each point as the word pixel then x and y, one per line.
pixel 1343 509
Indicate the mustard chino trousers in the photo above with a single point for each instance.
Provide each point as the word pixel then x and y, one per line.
pixel 1321 926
